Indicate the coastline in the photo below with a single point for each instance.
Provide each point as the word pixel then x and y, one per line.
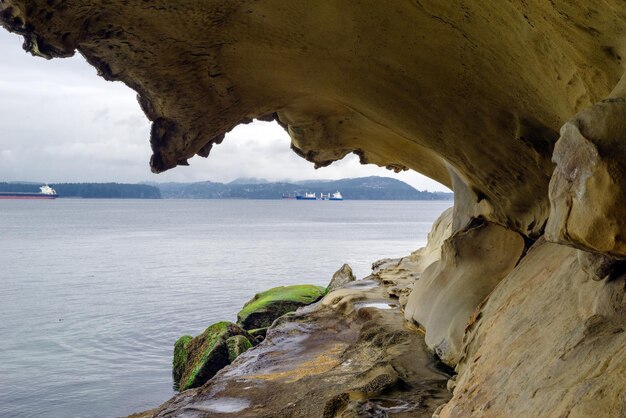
pixel 355 340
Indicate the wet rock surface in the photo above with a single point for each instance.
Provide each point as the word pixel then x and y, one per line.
pixel 349 355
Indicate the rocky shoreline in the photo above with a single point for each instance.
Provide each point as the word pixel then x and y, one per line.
pixel 359 351
pixel 350 354
pixel 196 360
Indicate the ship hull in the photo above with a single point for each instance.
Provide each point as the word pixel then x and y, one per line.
pixel 305 198
pixel 26 196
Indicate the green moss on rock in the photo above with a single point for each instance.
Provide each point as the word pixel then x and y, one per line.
pixel 236 345
pixel 180 356
pixel 267 306
pixel 200 358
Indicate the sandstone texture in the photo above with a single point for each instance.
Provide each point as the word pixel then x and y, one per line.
pixel 588 187
pixel 472 264
pixel 342 277
pixel 549 341
pixel 518 106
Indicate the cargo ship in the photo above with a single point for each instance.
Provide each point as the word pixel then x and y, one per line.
pixel 46 192
pixel 336 196
pixel 313 196
pixel 307 196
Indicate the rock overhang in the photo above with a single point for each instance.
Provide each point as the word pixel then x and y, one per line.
pixel 472 95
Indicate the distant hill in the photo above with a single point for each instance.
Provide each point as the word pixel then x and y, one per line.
pixel 90 190
pixel 364 188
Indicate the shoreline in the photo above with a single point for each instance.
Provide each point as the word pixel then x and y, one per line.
pixel 355 340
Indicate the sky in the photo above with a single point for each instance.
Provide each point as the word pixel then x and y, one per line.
pixel 60 122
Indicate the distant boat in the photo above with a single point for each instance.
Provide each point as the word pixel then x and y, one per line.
pixel 47 192
pixel 336 196
pixel 288 196
pixel 307 196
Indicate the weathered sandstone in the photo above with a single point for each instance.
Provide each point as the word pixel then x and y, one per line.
pixel 520 107
pixel 342 277
pixel 588 187
pixel 549 341
pixel 472 264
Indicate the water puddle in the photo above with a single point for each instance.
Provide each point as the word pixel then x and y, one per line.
pixel 221 405
pixel 376 305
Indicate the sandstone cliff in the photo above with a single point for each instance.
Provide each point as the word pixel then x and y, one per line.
pixel 519 106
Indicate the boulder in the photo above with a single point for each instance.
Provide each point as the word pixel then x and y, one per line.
pixel 342 277
pixel 265 307
pixel 198 359
pixel 588 187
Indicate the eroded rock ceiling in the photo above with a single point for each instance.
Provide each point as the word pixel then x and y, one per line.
pixel 472 94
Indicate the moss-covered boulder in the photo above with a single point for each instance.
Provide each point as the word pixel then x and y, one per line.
pixel 198 359
pixel 237 345
pixel 180 356
pixel 265 307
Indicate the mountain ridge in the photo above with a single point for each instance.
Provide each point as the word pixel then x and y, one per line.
pixel 360 188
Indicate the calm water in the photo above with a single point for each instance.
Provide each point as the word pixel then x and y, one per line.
pixel 93 293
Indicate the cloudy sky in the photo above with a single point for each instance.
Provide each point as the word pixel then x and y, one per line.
pixel 60 122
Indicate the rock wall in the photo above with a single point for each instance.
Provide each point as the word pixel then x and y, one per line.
pixel 472 264
pixel 549 341
pixel 520 107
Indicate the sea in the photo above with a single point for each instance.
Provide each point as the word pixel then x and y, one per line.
pixel 94 293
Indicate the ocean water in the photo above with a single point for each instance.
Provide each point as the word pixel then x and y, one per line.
pixel 94 293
